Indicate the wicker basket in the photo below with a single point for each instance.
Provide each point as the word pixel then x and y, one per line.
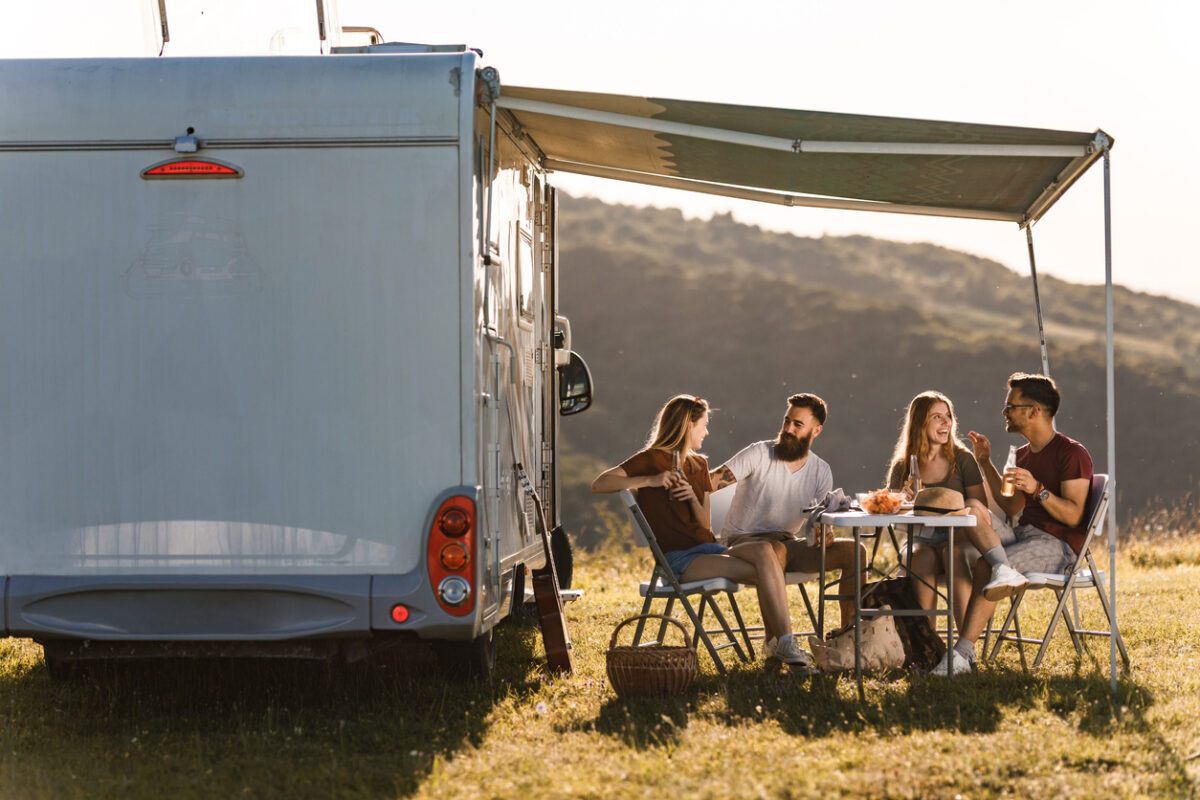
pixel 653 670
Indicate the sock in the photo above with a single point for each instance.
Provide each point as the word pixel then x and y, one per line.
pixel 966 649
pixel 996 556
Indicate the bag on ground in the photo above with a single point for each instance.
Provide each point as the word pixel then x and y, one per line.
pixel 881 647
pixel 923 648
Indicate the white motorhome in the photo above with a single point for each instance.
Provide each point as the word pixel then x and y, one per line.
pixel 274 334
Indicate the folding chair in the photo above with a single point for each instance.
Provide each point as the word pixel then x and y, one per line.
pixel 719 502
pixel 1082 575
pixel 663 584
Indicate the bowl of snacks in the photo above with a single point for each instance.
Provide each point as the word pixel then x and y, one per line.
pixel 881 501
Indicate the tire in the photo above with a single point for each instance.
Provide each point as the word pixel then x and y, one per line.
pixel 471 659
pixel 517 605
pixel 564 557
pixel 62 670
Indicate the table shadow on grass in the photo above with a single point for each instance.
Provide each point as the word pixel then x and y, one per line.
pixel 897 704
pixel 372 729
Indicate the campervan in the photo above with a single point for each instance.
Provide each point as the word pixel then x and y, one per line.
pixel 282 362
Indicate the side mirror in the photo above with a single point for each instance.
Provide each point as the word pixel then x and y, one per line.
pixel 574 386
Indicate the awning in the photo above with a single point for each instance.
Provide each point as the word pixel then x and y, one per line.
pixel 806 158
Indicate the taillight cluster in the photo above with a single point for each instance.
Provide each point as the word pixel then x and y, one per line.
pixel 451 555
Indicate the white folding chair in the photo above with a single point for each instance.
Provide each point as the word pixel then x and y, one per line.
pixel 719 503
pixel 664 585
pixel 1082 575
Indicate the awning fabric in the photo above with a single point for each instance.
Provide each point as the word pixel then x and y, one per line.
pixel 806 157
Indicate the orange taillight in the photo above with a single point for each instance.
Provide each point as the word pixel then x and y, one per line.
pixel 454 556
pixel 450 555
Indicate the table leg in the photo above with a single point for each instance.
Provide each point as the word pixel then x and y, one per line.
pixel 858 618
pixel 950 596
pixel 821 594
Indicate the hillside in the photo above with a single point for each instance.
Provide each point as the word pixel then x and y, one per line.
pixel 745 317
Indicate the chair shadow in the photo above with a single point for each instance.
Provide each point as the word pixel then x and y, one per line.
pixel 393 720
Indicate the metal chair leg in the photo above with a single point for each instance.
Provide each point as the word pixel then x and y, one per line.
pixel 1073 628
pixel 1020 643
pixel 1058 612
pixel 725 629
pixel 812 616
pixel 641 624
pixel 737 614
pixel 698 622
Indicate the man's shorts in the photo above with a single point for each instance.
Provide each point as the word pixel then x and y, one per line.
pixel 678 560
pixel 1038 551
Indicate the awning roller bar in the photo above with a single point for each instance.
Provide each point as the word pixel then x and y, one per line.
pixel 792 145
pixel 760 195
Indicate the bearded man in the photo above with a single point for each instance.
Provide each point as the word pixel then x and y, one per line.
pixel 776 480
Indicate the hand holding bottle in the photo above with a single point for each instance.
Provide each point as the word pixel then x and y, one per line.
pixel 1007 479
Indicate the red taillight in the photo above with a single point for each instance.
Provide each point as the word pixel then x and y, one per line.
pixel 454 521
pixel 192 168
pixel 399 613
pixel 451 555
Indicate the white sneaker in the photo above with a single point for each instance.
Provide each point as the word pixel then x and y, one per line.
pixel 786 650
pixel 1005 582
pixel 955 663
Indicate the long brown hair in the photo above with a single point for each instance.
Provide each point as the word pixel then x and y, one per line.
pixel 912 439
pixel 674 422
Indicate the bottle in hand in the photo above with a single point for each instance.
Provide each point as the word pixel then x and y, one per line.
pixel 914 477
pixel 1007 487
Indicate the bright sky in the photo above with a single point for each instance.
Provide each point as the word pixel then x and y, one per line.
pixel 1121 66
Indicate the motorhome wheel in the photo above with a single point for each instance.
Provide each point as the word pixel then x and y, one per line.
pixel 563 555
pixel 472 659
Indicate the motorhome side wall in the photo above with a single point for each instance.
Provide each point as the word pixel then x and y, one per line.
pixel 256 388
pixel 519 420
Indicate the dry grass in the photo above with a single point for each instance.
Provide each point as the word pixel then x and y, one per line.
pixel 261 731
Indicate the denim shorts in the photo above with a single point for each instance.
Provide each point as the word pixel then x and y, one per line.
pixel 678 560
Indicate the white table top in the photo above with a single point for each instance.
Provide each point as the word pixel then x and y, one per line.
pixel 861 519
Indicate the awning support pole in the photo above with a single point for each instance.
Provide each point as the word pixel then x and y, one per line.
pixel 1037 302
pixel 1110 378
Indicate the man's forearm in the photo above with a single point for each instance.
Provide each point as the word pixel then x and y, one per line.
pixel 721 477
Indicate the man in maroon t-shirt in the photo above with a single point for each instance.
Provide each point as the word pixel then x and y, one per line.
pixel 1052 479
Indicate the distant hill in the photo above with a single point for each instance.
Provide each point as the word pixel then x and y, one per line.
pixel 744 317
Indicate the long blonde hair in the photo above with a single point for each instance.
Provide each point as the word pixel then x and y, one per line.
pixel 673 424
pixel 912 439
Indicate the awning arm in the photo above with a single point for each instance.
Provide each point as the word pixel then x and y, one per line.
pixel 778 198
pixel 1037 302
pixel 791 145
pixel 1071 173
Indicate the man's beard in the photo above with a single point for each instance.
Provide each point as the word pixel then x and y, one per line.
pixel 791 448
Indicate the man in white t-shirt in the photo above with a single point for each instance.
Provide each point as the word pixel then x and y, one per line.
pixel 776 480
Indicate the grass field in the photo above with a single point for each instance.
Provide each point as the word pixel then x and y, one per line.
pixel 233 730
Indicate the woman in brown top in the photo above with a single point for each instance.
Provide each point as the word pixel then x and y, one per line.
pixel 672 485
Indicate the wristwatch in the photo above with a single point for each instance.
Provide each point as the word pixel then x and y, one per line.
pixel 1044 494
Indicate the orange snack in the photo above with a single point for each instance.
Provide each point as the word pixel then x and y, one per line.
pixel 881 501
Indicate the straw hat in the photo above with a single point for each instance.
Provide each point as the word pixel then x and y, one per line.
pixel 937 501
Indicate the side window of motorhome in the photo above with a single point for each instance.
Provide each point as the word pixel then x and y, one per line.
pixel 525 273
